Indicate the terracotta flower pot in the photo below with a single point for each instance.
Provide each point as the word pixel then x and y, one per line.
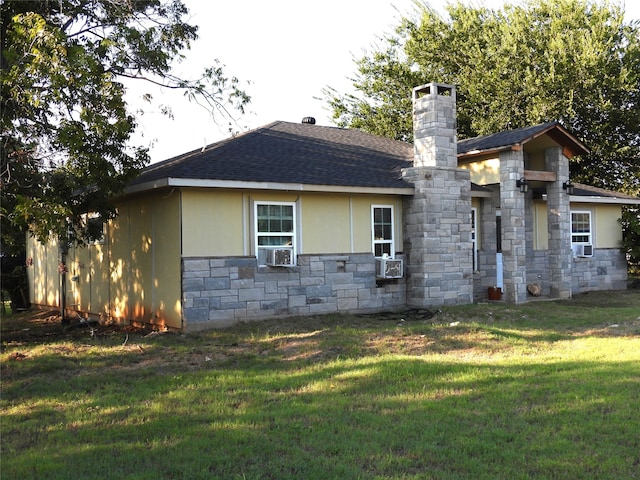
pixel 495 293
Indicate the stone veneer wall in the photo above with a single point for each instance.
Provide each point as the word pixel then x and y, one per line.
pixel 538 270
pixel 606 270
pixel 485 277
pixel 221 291
pixel 486 272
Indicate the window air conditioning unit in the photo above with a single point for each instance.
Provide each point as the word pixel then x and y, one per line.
pixel 583 250
pixel 280 257
pixel 389 268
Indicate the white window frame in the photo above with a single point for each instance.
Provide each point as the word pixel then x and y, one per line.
pixel 474 236
pixel 589 235
pixel 375 241
pixel 257 234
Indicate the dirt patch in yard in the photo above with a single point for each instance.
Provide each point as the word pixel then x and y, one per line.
pixel 473 330
pixel 45 326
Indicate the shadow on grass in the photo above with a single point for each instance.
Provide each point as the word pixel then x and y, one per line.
pixel 459 395
pixel 370 418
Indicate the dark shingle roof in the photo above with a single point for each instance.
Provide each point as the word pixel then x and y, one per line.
pixel 519 136
pixel 293 153
pixel 582 190
pixel 501 139
pixel 306 154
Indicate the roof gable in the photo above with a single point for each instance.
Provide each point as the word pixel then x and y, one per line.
pixel 510 138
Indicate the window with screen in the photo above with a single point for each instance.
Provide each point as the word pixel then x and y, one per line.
pixel 382 223
pixel 275 229
pixel 581 227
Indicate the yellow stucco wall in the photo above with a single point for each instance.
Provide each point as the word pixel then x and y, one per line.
pixel 535 160
pixel 362 228
pixel 485 171
pixel 213 224
pixel 133 276
pixel 219 222
pixel 328 214
pixel 144 260
pixel 607 232
pixel 604 219
pixel 540 226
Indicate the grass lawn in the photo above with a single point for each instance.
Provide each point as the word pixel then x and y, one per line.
pixel 494 391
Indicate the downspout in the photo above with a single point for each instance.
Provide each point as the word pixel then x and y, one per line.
pixel 62 269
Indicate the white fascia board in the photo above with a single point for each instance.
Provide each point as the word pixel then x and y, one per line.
pixel 604 200
pixel 142 187
pixel 202 183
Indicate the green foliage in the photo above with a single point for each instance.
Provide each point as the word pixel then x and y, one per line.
pixel 66 127
pixel 574 61
pixel 631 236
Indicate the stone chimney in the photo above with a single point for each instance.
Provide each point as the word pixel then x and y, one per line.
pixel 434 126
pixel 437 217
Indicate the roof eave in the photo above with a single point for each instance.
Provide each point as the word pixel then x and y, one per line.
pixel 172 182
pixel 488 151
pixel 603 200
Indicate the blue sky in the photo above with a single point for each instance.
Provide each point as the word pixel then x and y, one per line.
pixel 284 51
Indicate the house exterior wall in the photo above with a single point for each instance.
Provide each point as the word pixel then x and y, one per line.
pixel 485 275
pixel 342 223
pixel 606 270
pixel 144 261
pixel 221 291
pixel 218 223
pixel 484 171
pixel 213 224
pixel 150 263
pixel 607 231
pixel 42 272
pixel 134 276
pixel 335 269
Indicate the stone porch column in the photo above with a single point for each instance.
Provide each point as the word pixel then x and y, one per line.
pixel 559 222
pixel 512 205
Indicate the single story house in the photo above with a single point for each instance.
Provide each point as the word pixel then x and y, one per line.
pixel 300 219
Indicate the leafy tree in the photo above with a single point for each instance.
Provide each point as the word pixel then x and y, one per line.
pixel 630 221
pixel 66 127
pixel 574 61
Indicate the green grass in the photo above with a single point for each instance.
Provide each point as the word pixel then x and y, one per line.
pixel 543 390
